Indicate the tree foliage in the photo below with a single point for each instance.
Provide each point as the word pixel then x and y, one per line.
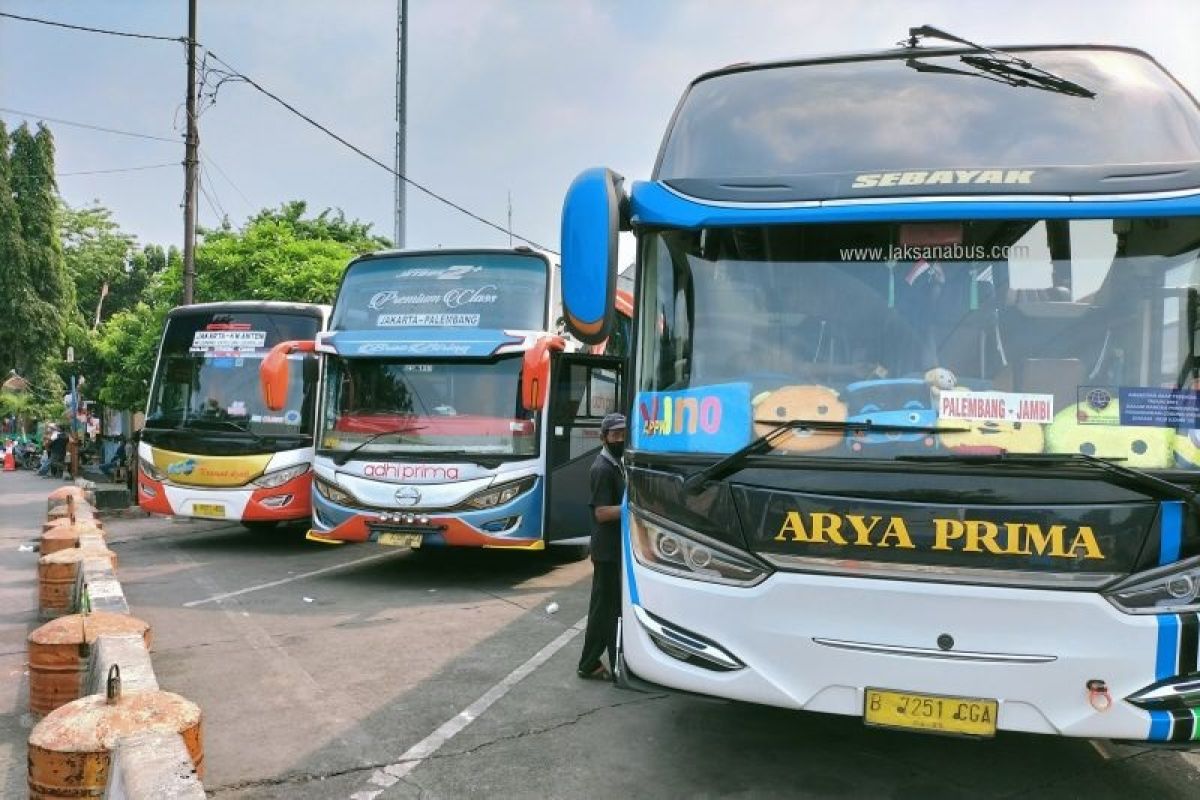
pixel 38 296
pixel 279 254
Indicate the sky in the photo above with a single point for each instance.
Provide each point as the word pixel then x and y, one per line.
pixel 512 96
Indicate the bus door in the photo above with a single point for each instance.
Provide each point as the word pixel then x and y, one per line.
pixel 583 389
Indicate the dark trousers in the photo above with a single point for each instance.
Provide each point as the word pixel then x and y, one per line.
pixel 603 612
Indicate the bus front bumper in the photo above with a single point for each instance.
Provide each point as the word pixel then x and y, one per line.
pixel 286 503
pixel 817 643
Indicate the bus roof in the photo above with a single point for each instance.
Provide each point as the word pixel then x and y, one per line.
pixel 262 306
pixel 905 52
pixel 934 121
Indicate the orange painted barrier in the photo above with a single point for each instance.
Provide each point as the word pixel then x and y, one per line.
pixel 59 496
pixel 70 750
pixel 10 462
pixel 62 522
pixel 65 537
pixel 59 653
pixel 58 574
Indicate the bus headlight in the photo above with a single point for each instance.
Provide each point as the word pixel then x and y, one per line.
pixel 150 471
pixel 499 495
pixel 332 493
pixel 1170 589
pixel 280 476
pixel 689 556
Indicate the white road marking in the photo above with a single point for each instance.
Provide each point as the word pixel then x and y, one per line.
pixel 415 755
pixel 216 598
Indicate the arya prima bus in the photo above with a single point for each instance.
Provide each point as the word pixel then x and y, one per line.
pixel 915 430
pixel 210 447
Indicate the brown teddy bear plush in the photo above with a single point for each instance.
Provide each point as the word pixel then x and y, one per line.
pixel 800 402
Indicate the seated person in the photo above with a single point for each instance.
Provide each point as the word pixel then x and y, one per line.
pixel 109 467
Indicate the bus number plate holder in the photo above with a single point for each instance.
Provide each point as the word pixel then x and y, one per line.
pixel 962 716
pixel 412 540
pixel 211 510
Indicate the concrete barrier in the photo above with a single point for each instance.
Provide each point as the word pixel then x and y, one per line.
pixel 143 765
pixel 153 765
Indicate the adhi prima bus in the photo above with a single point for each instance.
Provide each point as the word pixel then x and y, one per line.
pixel 914 408
pixel 450 416
pixel 210 448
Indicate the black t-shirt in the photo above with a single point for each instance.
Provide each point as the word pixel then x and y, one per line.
pixel 608 489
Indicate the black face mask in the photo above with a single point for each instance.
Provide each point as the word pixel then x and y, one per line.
pixel 616 448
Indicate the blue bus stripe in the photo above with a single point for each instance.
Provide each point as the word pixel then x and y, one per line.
pixel 630 581
pixel 1170 534
pixel 1160 726
pixel 1168 646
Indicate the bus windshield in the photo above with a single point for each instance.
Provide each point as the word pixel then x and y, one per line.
pixel 435 409
pixel 207 376
pixel 924 111
pixel 985 336
pixel 475 290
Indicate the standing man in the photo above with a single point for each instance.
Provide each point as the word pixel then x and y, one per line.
pixel 608 491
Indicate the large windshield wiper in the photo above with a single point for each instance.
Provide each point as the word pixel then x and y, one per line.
pixel 993 65
pixel 733 462
pixel 1130 475
pixel 200 423
pixel 342 458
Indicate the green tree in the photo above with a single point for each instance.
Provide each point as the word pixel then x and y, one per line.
pixel 42 298
pixel 12 268
pixel 127 349
pixel 278 255
pixel 98 257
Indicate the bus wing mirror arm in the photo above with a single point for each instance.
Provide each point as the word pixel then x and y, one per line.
pixel 535 371
pixel 273 372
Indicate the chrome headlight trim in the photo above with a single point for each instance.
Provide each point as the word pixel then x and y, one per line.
pixel 674 550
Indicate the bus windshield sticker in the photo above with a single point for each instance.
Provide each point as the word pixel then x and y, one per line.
pixel 227 341
pixel 996 406
pixel 428 320
pixel 1155 407
pixel 708 419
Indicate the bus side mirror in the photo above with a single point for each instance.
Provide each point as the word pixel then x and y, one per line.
pixel 273 372
pixel 593 213
pixel 535 372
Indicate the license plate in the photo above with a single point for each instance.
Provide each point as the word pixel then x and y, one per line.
pixel 215 510
pixel 968 716
pixel 412 540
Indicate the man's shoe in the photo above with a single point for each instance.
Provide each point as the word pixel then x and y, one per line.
pixel 598 673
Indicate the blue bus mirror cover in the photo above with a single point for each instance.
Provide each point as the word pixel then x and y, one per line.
pixel 592 216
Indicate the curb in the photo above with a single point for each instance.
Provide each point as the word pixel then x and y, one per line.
pixel 142 766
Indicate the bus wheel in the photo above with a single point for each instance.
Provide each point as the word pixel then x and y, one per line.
pixel 259 525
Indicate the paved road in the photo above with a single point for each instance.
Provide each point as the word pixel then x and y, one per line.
pixel 351 683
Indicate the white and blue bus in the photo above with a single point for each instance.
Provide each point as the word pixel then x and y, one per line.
pixel 915 420
pixel 450 415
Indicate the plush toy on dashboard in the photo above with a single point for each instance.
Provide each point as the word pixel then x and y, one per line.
pixel 1094 429
pixel 991 437
pixel 900 402
pixel 800 402
pixel 1187 449
pixel 939 380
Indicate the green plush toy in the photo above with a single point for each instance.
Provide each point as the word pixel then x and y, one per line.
pixel 1100 435
pixel 1187 449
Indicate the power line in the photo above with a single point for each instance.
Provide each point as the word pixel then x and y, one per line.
pixel 44 118
pixel 243 77
pixel 127 34
pixel 117 169
pixel 215 198
pixel 206 158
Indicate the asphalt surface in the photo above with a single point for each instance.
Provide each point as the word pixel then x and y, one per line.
pixel 358 672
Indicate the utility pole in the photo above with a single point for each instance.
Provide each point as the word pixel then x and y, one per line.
pixel 401 115
pixel 190 164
